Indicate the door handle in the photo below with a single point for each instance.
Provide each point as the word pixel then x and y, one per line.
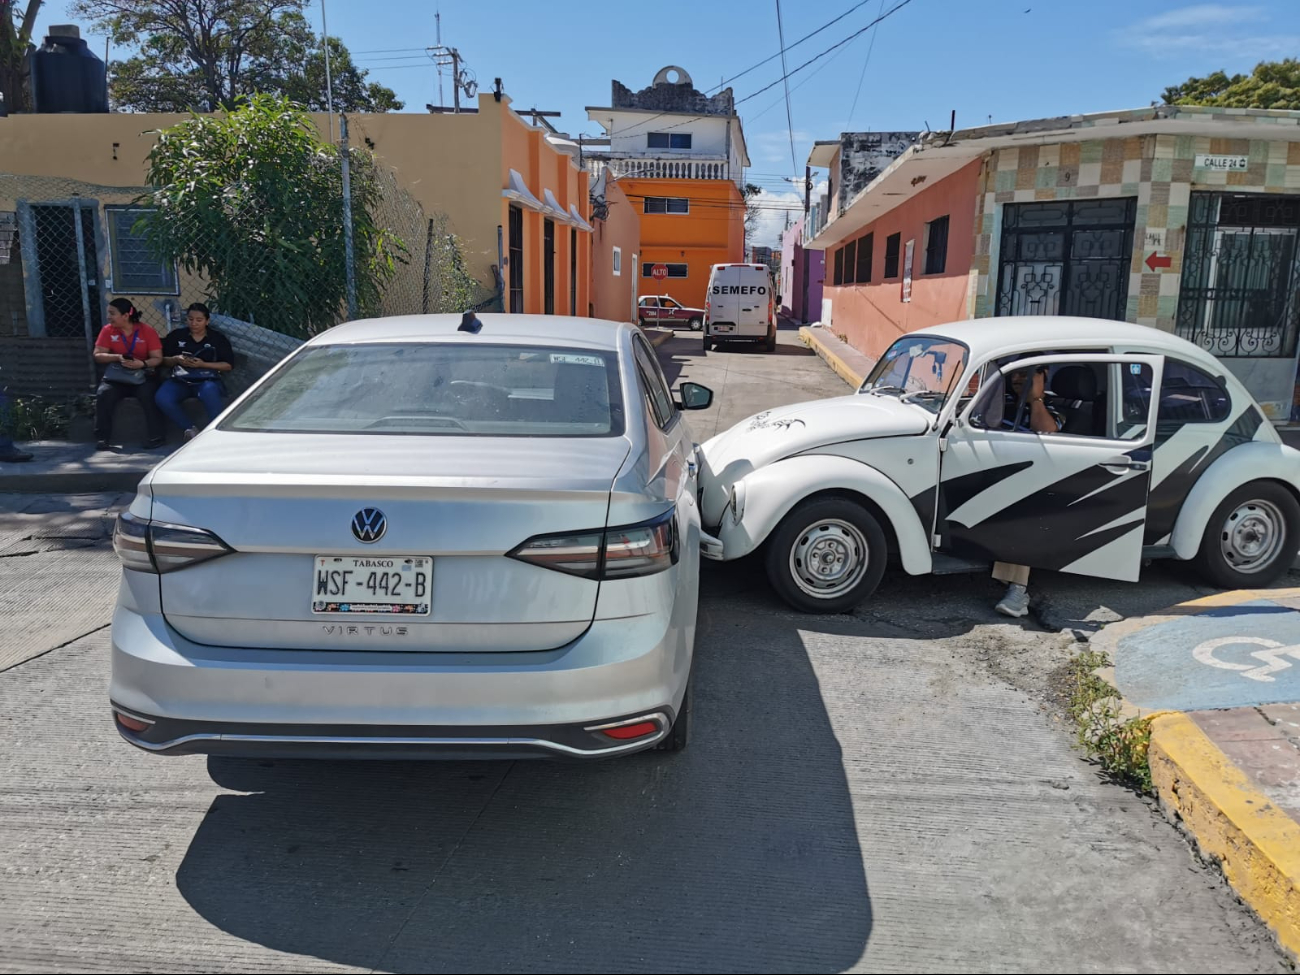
pixel 1127 465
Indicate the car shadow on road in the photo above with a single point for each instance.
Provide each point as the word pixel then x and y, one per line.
pixel 740 854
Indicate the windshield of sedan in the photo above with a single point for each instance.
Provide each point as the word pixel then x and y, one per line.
pixel 921 369
pixel 445 389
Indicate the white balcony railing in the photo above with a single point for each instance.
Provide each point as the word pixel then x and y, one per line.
pixel 649 167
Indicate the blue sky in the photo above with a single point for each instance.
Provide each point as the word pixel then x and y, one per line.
pixel 1004 59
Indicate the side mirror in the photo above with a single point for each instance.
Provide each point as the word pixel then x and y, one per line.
pixel 695 397
pixel 778 299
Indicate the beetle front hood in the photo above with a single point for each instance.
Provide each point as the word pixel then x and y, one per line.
pixel 775 434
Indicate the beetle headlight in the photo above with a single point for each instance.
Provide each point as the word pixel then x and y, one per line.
pixel 736 502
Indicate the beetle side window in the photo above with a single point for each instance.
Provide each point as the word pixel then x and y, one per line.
pixel 1191 395
pixel 1075 400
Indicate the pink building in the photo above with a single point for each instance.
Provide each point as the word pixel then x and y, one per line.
pixel 802 274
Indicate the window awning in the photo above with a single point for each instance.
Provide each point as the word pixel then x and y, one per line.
pixel 517 190
pixel 577 219
pixel 553 209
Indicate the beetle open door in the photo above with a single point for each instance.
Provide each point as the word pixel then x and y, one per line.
pixel 1073 500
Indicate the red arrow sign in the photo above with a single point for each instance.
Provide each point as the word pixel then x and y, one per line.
pixel 1154 261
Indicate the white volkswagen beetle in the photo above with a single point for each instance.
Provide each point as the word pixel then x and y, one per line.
pixel 1155 450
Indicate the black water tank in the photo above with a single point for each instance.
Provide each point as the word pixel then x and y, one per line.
pixel 66 76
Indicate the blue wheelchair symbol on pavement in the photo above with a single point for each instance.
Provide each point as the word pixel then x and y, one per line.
pixel 1224 657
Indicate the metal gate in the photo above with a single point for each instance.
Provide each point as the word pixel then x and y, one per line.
pixel 1066 257
pixel 64 268
pixel 1240 289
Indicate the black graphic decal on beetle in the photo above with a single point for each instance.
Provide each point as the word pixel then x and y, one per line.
pixel 1167 497
pixel 1049 528
pixel 761 422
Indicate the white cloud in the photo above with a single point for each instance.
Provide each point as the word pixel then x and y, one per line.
pixel 773 147
pixel 1219 29
pixel 775 208
pixel 1201 15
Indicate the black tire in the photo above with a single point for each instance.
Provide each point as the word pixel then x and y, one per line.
pixel 708 344
pixel 1244 513
pixel 679 735
pixel 770 343
pixel 832 514
pixel 696 324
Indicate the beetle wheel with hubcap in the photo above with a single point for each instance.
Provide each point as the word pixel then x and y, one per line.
pixel 827 556
pixel 1252 537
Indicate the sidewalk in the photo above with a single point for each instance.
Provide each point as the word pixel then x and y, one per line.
pixel 847 362
pixel 1220 677
pixel 60 467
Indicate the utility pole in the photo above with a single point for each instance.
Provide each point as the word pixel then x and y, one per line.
pixel 329 81
pixel 455 79
pixel 437 19
pixel 350 271
pixel 460 79
pixel 803 240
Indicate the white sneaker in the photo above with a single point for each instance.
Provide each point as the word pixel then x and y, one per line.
pixel 1015 602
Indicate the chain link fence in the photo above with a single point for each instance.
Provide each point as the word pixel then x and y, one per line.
pixel 68 247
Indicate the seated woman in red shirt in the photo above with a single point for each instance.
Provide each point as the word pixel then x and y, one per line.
pixel 131 351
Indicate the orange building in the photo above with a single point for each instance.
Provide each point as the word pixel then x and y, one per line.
pixel 679 155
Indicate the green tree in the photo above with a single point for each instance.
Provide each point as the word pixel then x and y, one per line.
pixel 252 201
pixel 16 23
pixel 207 54
pixel 751 191
pixel 1273 84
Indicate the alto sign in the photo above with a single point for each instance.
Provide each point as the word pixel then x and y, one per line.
pixel 659 272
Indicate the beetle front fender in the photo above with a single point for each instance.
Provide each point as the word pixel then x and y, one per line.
pixel 772 491
pixel 1259 460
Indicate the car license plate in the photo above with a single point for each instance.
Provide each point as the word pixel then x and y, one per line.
pixel 724 328
pixel 384 586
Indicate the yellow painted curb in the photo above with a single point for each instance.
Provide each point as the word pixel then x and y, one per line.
pixel 1255 844
pixel 838 365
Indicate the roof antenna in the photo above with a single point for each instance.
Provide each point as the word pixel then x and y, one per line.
pixel 469 322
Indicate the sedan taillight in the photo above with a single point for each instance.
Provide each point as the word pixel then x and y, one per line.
pixel 609 553
pixel 154 546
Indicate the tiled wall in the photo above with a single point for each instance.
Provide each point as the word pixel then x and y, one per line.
pixel 1159 170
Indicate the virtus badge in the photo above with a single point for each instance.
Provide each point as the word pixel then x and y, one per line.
pixel 369 525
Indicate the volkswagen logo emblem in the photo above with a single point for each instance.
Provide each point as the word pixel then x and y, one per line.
pixel 369 525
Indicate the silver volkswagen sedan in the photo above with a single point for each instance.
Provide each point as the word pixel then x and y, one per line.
pixel 428 536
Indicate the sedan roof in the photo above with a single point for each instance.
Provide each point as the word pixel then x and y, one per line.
pixel 498 329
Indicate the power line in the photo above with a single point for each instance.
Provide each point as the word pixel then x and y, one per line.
pixel 811 75
pixel 817 57
pixel 785 75
pixel 867 60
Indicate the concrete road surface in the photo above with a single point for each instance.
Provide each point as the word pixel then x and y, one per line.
pixel 883 792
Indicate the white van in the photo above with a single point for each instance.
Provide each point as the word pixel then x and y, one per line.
pixel 740 304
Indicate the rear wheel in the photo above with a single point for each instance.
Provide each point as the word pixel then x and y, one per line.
pixel 708 343
pixel 679 735
pixel 1251 538
pixel 696 324
pixel 770 343
pixel 827 556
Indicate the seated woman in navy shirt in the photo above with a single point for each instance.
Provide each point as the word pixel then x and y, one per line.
pixel 198 355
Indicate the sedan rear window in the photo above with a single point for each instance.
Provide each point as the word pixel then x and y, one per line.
pixel 445 389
